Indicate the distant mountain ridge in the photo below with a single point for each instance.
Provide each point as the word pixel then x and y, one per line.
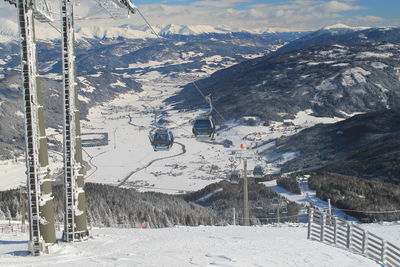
pixel 344 35
pixel 107 67
pixel 9 31
pixel 345 75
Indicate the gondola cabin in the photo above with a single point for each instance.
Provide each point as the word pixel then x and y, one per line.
pixel 161 139
pixel 234 177
pixel 258 171
pixel 204 127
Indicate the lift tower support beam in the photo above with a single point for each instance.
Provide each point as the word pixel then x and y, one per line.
pixel 40 198
pixel 75 225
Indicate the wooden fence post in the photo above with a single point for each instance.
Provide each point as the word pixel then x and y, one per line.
pixel 322 223
pixel 334 230
pixel 383 256
pixel 310 221
pixel 364 242
pixel 348 243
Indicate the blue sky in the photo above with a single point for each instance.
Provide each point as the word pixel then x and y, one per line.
pixel 287 14
pixel 304 14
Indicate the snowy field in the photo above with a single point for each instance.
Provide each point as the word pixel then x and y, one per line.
pixel 191 164
pixel 186 246
pixel 129 160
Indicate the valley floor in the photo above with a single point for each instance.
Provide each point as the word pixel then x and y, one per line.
pixel 283 245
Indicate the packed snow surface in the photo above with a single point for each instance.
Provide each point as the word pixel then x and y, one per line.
pixel 239 246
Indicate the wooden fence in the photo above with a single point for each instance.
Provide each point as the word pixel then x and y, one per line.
pixel 329 229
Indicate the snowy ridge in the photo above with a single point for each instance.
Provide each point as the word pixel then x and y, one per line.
pixel 343 26
pixel 172 29
pixel 9 31
pixel 99 32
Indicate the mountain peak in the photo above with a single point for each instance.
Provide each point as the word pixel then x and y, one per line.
pixel 344 26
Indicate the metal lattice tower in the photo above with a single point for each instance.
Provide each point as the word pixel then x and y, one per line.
pixel 41 213
pixel 40 199
pixel 75 226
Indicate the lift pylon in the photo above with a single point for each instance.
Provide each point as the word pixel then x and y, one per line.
pixel 40 198
pixel 75 225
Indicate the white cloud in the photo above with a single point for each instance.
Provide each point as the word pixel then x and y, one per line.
pixel 298 14
pixel 374 18
pixel 336 6
pixel 219 3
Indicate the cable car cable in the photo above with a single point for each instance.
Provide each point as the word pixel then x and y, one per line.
pixel 179 66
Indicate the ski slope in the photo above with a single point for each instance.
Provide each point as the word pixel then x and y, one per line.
pixel 239 246
pixel 307 197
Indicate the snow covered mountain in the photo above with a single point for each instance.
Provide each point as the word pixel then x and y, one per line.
pixel 365 145
pixel 330 77
pixel 344 35
pixel 105 66
pixel 9 31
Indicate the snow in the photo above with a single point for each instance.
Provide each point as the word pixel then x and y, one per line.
pixel 341 65
pixel 130 156
pixel 216 59
pixel 190 29
pixel 388 46
pixel 83 99
pixel 192 54
pixel 14 86
pixel 306 119
pixel 129 152
pixel 354 75
pixel 326 85
pixel 379 65
pixel 349 115
pixel 389 231
pixel 12 173
pixel 374 54
pixel 281 245
pixel 251 56
pixel 102 32
pixel 127 120
pixel 155 64
pixel 118 83
pixel 19 114
pixel 88 88
pixel 319 63
pixel 343 26
pixel 307 197
pixel 9 31
pixel 384 90
pixel 202 199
